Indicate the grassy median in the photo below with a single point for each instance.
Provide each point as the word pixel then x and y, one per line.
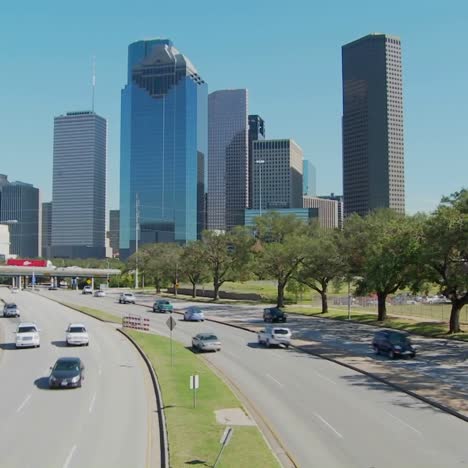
pixel 193 433
pixel 93 312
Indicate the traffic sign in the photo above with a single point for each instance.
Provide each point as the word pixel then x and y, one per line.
pixel 171 323
pixel 88 281
pixel 226 437
pixel 194 382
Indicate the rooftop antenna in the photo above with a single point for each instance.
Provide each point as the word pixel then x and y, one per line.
pixel 94 81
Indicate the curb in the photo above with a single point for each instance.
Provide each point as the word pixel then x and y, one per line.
pixel 163 442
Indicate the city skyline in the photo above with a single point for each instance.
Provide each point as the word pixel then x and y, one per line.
pixel 308 110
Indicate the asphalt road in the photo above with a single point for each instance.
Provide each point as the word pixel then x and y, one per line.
pixel 103 424
pixel 326 415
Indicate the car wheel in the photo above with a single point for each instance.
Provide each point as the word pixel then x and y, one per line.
pixel 391 354
pixel 287 346
pixel 376 350
pixel 267 343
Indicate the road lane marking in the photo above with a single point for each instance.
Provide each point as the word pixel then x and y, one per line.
pixel 272 378
pixel 404 423
pixel 24 403
pixel 325 377
pixel 329 425
pixel 91 406
pixel 100 371
pixel 69 458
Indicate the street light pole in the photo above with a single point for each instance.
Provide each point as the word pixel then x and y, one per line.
pixel 137 229
pixel 260 162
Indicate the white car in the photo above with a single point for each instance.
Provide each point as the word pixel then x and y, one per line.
pixel 100 293
pixel 127 298
pixel 77 335
pixel 274 336
pixel 27 335
pixel 87 290
pixel 206 342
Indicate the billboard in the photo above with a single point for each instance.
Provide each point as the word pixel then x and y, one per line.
pixel 26 262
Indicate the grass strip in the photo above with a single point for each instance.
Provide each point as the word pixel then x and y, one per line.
pixel 430 329
pixel 193 433
pixel 94 312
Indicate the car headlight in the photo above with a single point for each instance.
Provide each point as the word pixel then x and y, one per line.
pixel 52 378
pixel 75 379
pixel 397 348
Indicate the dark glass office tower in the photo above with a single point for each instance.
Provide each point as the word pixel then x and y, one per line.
pixel 373 153
pixel 256 132
pixel 163 142
pixel 46 230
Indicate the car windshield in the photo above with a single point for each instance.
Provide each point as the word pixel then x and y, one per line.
pixel 164 302
pixel 280 331
pixel 77 330
pixel 128 294
pixel 195 311
pixel 396 338
pixel 209 337
pixel 26 329
pixel 11 306
pixel 67 366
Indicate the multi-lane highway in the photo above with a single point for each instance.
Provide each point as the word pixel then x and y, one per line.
pixel 326 415
pixel 106 423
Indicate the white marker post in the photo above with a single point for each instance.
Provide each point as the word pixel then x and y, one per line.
pixel 194 384
pixel 171 324
pixel 225 438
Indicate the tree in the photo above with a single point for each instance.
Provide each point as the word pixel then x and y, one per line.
pixel 193 265
pixel 382 248
pixel 445 252
pixel 323 262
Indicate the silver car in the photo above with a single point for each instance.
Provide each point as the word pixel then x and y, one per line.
pixel 206 342
pixel 194 314
pixel 11 310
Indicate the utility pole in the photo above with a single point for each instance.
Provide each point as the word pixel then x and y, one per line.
pixel 137 231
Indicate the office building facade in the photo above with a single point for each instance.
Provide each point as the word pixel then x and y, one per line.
pixel 256 132
pixel 228 159
pixel 327 210
pixel 163 142
pixel 114 231
pixel 277 174
pixel 21 209
pixel 339 200
pixel 373 149
pixel 46 230
pixel 304 214
pixel 309 179
pixel 79 186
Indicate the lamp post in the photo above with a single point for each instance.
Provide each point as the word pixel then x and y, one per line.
pixel 260 162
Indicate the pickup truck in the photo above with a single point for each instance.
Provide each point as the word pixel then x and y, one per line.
pixel 274 336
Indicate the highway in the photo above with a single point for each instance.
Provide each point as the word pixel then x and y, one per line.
pixel 106 423
pixel 326 415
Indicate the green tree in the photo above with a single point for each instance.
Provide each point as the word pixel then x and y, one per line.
pixel 445 252
pixel 193 265
pixel 382 248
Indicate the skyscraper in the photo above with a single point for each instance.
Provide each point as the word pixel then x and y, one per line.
pixel 228 163
pixel 46 230
pixel 373 155
pixel 163 142
pixel 114 231
pixel 256 132
pixel 309 179
pixel 19 202
pixel 79 185
pixel 339 200
pixel 277 174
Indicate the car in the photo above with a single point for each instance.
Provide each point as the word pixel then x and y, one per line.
pixel 87 290
pixel 194 314
pixel 14 290
pixel 274 336
pixel 99 293
pixel 274 314
pixel 68 372
pixel 27 335
pixel 162 305
pixel 11 310
pixel 76 334
pixel 206 342
pixel 127 298
pixel 393 343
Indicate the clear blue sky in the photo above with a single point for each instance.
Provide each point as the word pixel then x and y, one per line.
pixel 286 53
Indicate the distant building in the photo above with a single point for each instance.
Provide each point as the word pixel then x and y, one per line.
pixel 4 241
pixel 79 186
pixel 327 211
pixel 277 174
pixel 114 231
pixel 304 214
pixel 256 132
pixel 228 163
pixel 46 230
pixel 163 142
pixel 19 202
pixel 373 154
pixel 309 179
pixel 339 200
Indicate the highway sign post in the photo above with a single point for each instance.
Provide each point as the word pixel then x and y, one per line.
pixel 171 324
pixel 225 439
pixel 194 384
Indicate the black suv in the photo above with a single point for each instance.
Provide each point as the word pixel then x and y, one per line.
pixel 274 314
pixel 394 343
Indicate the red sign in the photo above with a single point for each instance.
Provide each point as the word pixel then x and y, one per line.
pixel 27 263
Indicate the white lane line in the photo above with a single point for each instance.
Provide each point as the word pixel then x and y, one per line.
pixel 91 406
pixel 329 425
pixel 325 377
pixel 100 371
pixel 272 378
pixel 69 458
pixel 403 422
pixel 24 403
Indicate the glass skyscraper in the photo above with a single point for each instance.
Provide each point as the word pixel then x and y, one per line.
pixel 163 146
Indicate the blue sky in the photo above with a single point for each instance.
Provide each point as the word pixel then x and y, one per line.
pixel 288 55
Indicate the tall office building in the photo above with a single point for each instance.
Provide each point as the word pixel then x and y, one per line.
pixel 19 202
pixel 309 179
pixel 46 230
pixel 163 143
pixel 277 174
pixel 339 200
pixel 79 186
pixel 228 162
pixel 327 210
pixel 114 231
pixel 256 132
pixel 373 154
